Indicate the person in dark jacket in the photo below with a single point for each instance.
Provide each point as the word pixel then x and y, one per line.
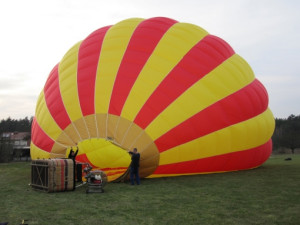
pixel 77 167
pixel 134 166
pixel 73 154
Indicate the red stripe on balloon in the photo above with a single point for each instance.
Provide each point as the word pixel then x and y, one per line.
pixel 39 138
pixel 84 159
pixel 206 55
pixel 54 100
pixel 242 105
pixel 142 43
pixel 241 160
pixel 88 57
pixel 114 168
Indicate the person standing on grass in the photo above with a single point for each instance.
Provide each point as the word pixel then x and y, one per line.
pixel 77 171
pixel 134 166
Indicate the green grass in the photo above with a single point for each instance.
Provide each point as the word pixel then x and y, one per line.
pixel 269 194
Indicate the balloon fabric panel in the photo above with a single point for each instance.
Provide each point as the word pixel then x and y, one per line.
pixel 68 82
pixel 40 139
pixel 45 120
pixel 219 83
pixel 37 153
pixel 54 101
pixel 233 109
pixel 114 44
pixel 88 57
pixel 160 63
pixel 198 62
pixel 240 136
pixel 142 43
pixel 241 160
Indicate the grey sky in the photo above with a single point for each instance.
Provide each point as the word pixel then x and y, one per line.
pixel 36 34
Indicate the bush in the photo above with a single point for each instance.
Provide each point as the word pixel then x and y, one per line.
pixel 6 151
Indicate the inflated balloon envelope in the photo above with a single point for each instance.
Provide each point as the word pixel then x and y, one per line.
pixel 181 96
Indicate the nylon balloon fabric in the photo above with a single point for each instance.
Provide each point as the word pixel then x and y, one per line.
pixel 180 95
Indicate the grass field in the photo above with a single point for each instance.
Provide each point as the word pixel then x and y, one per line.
pixel 269 194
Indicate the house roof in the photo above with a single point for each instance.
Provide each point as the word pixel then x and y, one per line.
pixel 15 135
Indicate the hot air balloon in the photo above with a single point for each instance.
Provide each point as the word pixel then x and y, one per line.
pixel 180 95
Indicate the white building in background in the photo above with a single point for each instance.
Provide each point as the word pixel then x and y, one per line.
pixel 20 142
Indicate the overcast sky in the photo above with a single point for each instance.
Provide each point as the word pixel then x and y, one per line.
pixel 35 35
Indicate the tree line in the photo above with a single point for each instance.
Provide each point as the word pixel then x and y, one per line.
pixel 12 125
pixel 286 134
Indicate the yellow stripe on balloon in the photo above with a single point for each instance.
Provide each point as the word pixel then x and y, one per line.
pixel 242 136
pixel 37 153
pixel 164 58
pixel 99 158
pixel 45 120
pixel 113 48
pixel 221 82
pixel 99 150
pixel 68 82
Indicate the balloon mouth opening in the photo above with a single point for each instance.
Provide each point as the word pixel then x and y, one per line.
pixel 106 155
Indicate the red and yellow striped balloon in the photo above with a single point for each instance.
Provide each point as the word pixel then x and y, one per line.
pixel 183 97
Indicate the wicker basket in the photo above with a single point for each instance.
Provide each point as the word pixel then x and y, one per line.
pixel 53 175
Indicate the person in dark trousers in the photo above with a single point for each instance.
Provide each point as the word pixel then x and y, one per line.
pixel 134 166
pixel 77 170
